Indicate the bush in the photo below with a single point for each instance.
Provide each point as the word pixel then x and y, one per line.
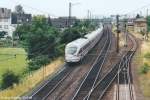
pixel 60 49
pixel 142 33
pixel 8 79
pixel 38 62
pixel 147 55
pixel 144 69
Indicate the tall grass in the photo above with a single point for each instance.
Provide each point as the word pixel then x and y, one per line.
pixel 31 81
pixel 147 55
pixel 144 55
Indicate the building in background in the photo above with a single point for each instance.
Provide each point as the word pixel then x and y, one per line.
pixel 130 24
pixel 63 22
pixel 9 20
pixel 5 21
pixel 19 18
pixel 140 25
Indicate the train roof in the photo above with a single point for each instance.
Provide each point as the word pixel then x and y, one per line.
pixel 83 41
pixel 79 42
pixel 92 35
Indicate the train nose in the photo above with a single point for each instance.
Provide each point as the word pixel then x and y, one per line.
pixel 72 58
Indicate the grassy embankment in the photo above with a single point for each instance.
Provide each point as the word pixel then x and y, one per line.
pixel 18 65
pixel 141 60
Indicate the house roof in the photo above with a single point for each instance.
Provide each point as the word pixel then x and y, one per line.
pixel 140 20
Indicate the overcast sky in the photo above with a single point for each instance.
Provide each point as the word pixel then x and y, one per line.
pixel 60 7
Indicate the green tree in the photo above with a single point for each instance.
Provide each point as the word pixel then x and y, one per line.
pixel 85 26
pixel 138 16
pixel 69 35
pixel 38 38
pixel 8 79
pixel 144 69
pixel 148 23
pixel 40 41
pixel 2 34
pixel 79 29
pixel 38 62
pixel 22 31
pixel 19 9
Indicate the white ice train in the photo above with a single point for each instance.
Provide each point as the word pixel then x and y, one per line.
pixel 77 49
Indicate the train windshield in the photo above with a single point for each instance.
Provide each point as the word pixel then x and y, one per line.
pixel 72 50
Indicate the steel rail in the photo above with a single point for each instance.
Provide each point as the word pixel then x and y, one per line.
pixel 49 93
pixel 128 74
pixel 57 78
pixel 98 75
pixel 133 48
pixel 35 96
pixel 129 82
pixel 94 66
pixel 119 71
pixel 129 78
pixel 57 85
pixel 101 82
pixel 118 81
pixel 88 96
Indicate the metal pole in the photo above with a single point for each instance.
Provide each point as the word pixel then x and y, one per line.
pixel 88 15
pixel 147 26
pixel 125 34
pixel 69 19
pixel 117 18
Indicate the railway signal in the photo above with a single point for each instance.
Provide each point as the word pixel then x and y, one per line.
pixel 125 32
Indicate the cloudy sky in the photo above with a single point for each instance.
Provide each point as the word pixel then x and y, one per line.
pixel 60 7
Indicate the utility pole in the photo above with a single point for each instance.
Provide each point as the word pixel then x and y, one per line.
pixel 70 13
pixel 118 31
pixel 88 15
pixel 69 18
pixel 140 13
pixel 147 26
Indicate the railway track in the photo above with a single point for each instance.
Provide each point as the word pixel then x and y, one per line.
pixel 124 86
pixel 93 75
pixel 93 86
pixel 124 89
pixel 52 95
pixel 101 87
pixel 51 85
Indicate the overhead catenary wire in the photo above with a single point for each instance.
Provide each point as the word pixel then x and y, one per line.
pixel 138 9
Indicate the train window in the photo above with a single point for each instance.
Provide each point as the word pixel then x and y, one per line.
pixel 72 50
pixel 80 51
